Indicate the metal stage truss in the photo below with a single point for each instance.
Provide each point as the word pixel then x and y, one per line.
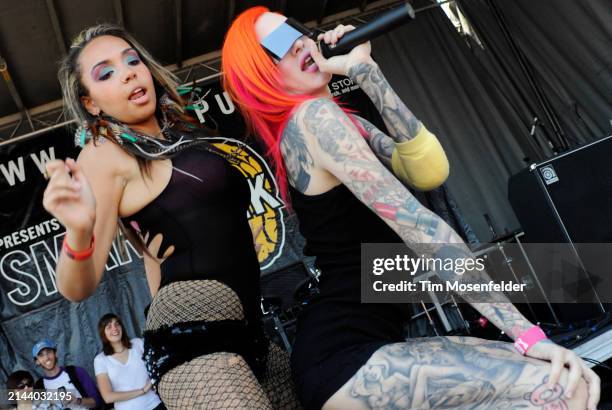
pixel 28 122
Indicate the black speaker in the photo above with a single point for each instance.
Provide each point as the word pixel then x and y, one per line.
pixel 568 199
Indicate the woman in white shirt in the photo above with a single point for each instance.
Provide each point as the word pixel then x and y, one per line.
pixel 120 371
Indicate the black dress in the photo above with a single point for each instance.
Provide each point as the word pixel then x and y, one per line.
pixel 336 333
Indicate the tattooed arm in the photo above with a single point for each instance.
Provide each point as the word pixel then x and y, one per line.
pixel 335 146
pixel 381 143
pixel 414 154
pixel 320 135
pixel 297 158
pixel 400 121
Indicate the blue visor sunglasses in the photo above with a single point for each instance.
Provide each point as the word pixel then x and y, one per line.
pixel 278 43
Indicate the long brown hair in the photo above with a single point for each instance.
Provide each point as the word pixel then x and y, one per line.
pixel 107 348
pixel 69 73
pixel 69 76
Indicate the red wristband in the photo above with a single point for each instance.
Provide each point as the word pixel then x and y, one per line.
pixel 530 337
pixel 79 255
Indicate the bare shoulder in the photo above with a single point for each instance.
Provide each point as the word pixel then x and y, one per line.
pixel 105 159
pixel 317 108
pixel 300 129
pixel 317 117
pixel 299 145
pixel 315 103
pixel 328 128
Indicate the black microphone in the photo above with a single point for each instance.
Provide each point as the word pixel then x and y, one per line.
pixel 384 23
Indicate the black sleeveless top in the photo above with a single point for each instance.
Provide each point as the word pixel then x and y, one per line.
pixel 335 224
pixel 202 212
pixel 336 332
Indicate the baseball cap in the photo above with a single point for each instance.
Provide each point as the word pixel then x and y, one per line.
pixel 43 344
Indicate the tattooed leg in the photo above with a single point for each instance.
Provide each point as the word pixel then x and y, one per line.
pixel 454 373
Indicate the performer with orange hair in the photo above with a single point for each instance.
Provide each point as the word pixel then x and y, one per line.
pixel 350 355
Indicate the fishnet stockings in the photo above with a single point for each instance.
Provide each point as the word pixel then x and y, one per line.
pixel 215 381
pixel 219 380
pixel 277 381
pixel 193 300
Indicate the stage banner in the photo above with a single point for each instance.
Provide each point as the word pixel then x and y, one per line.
pixel 28 234
pixel 31 307
pixel 214 109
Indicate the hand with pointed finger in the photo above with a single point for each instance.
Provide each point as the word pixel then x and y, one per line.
pixel 154 247
pixel 339 64
pixel 560 357
pixel 68 196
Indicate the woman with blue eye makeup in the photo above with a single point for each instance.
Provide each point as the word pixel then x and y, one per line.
pixel 147 167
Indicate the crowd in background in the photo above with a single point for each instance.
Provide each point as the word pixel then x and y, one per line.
pixel 121 379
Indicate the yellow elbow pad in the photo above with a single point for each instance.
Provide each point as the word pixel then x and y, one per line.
pixel 421 161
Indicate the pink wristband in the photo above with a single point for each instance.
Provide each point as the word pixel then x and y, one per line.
pixel 531 336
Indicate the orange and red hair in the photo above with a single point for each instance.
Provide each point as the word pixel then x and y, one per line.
pixel 253 81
